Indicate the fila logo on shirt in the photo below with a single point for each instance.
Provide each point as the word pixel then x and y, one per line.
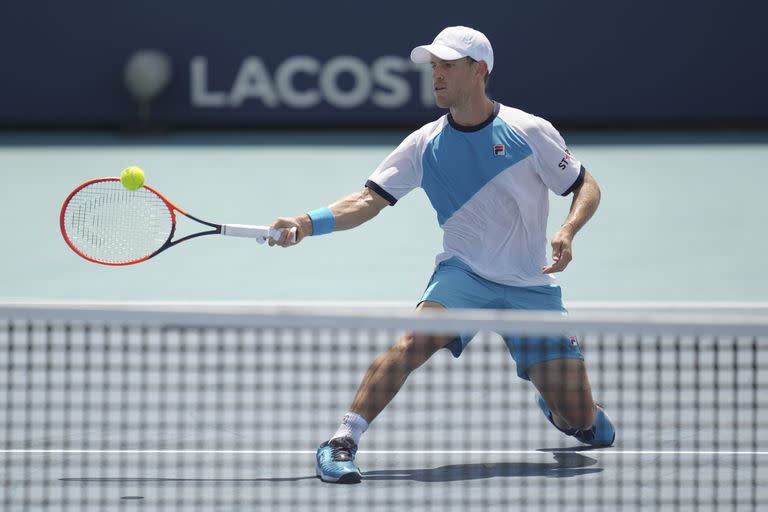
pixel 574 341
pixel 499 150
pixel 564 162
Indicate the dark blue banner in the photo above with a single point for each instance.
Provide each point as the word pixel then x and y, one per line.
pixel 281 64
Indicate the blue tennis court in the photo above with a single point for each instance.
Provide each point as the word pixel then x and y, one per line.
pixel 646 243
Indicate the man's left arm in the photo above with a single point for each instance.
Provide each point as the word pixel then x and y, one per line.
pixel 586 197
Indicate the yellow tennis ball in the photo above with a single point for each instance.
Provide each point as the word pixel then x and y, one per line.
pixel 132 178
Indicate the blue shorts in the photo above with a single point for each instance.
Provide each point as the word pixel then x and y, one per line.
pixel 454 285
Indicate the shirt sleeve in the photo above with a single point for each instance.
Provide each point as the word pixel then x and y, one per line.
pixel 559 169
pixel 400 172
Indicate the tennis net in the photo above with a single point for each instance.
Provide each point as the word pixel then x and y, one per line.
pixel 222 406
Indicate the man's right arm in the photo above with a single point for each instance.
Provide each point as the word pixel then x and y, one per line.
pixel 348 212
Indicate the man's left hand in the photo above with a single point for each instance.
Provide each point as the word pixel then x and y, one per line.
pixel 561 252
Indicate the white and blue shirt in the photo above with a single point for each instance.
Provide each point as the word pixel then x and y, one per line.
pixel 489 186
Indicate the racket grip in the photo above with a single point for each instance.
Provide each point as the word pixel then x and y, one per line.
pixel 277 233
pixel 260 233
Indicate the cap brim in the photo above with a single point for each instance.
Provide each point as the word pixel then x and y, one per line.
pixel 423 54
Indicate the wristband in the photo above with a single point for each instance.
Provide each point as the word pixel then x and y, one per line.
pixel 323 221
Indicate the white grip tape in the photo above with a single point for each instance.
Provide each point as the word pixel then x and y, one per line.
pixel 260 233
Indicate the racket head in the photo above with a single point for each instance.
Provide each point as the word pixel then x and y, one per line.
pixel 106 223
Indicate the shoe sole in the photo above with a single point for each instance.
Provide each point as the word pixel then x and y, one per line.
pixel 349 478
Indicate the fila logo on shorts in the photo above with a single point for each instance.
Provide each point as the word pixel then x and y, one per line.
pixel 574 341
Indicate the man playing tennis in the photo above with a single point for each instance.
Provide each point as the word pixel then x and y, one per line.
pixel 487 170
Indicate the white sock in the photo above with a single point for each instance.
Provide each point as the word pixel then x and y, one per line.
pixel 353 425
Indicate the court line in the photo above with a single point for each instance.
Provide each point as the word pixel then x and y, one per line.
pixel 389 452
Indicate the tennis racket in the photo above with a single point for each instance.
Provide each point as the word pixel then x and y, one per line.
pixel 106 223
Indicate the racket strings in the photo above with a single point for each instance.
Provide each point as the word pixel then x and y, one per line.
pixel 109 223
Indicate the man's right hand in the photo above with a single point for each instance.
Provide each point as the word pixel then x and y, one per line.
pixel 301 224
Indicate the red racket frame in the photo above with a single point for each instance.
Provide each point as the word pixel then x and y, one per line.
pixel 168 243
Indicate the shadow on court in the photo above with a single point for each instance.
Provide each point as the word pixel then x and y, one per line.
pixel 138 480
pixel 574 449
pixel 566 465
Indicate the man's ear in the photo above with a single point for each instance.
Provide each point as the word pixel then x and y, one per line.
pixel 482 68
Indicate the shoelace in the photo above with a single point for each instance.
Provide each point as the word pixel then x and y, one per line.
pixel 341 449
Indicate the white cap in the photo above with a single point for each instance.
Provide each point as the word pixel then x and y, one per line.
pixel 454 43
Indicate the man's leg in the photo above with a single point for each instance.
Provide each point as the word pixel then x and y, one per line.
pixel 388 372
pixel 564 386
pixel 380 384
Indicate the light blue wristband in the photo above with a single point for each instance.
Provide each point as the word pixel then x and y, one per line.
pixel 323 221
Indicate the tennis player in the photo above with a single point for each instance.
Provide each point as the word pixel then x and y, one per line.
pixel 487 170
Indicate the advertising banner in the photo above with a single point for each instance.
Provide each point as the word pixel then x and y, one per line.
pixel 345 64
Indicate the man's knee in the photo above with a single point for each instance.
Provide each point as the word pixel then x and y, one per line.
pixel 412 350
pixel 578 414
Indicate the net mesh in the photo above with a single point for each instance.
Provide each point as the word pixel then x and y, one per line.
pixel 222 408
pixel 111 224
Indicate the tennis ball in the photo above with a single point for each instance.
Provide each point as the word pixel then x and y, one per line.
pixel 132 178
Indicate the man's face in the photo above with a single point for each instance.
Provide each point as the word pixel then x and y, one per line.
pixel 452 80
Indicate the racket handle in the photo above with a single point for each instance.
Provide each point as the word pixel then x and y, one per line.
pixel 260 233
pixel 277 233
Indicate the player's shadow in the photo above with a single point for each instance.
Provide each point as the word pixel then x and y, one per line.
pixel 566 464
pixel 574 449
pixel 162 481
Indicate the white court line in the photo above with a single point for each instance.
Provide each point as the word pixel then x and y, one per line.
pixel 393 452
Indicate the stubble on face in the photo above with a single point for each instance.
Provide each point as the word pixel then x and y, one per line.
pixel 449 80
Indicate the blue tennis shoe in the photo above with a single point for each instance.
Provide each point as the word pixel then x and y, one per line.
pixel 601 434
pixel 336 461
